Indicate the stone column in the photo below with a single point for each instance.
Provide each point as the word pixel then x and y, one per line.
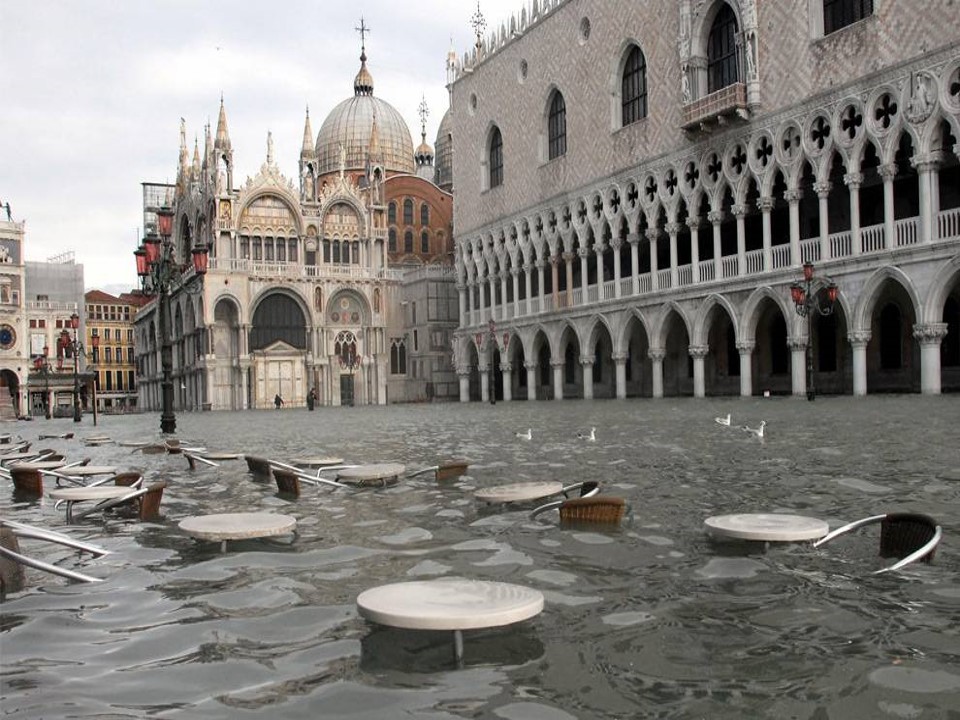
pixel 854 181
pixel 823 194
pixel 515 273
pixel 464 378
pixel 620 364
pixel 673 229
pixel 698 353
pixel 656 356
pixel 746 367
pixel 483 286
pixel 598 252
pixel 634 240
pixel 798 365
pixel 557 379
pixel 858 340
pixel 462 295
pixel 694 224
pixel 584 254
pixel 652 238
pixel 531 368
pixel 503 294
pixel 471 298
pixel 930 335
pixel 888 172
pixel 484 381
pixel 555 280
pixel 493 296
pixel 765 205
pixel 507 370
pixel 739 212
pixel 586 371
pixel 615 244
pixel 528 286
pixel 540 284
pixel 927 176
pixel 716 218
pixel 568 262
pixel 793 198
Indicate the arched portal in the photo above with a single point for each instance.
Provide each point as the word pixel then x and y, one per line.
pixel 226 381
pixel 639 378
pixel 893 356
pixel 721 369
pixel 278 348
pixel 771 356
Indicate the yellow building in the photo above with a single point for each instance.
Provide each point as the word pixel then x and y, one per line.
pixel 110 351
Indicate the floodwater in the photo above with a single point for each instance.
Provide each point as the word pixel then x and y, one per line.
pixel 649 620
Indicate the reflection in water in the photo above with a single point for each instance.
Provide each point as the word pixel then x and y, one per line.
pixel 649 618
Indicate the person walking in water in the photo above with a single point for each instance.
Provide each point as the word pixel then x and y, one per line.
pixel 277 401
pixel 311 399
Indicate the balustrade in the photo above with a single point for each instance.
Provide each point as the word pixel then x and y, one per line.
pixel 871 238
pixel 685 275
pixel 841 244
pixel 663 279
pixel 754 262
pixel 708 270
pixel 729 266
pixel 810 250
pixel 781 256
pixel 907 231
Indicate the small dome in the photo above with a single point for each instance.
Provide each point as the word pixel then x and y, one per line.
pixel 444 157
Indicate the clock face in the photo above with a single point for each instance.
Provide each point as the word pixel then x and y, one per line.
pixel 8 337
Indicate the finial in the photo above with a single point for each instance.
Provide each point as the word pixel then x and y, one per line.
pixel 424 112
pixel 479 25
pixel 363 30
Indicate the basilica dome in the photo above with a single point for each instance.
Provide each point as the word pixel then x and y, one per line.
pixel 350 126
pixel 444 155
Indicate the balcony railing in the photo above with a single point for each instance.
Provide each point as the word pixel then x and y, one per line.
pixel 725 101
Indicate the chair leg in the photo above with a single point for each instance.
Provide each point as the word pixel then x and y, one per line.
pixel 150 504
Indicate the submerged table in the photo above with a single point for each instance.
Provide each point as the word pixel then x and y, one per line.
pixel 519 492
pixel 88 470
pixel 238 526
pixel 79 494
pixel 449 604
pixel 767 527
pixel 316 461
pixel 371 474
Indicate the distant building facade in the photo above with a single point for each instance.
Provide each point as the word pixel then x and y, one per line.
pixel 639 185
pixel 111 356
pixel 14 343
pixel 307 278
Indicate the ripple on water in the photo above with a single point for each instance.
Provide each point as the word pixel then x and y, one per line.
pixel 727 568
pixel 624 619
pixel 407 536
pixel 862 485
pixel 428 567
pixel 531 711
pixel 554 577
pixel 915 680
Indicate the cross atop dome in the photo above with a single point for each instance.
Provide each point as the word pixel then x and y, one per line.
pixel 363 83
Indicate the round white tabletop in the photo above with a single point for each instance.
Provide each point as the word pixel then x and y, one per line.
pixel 220 455
pixel 316 461
pixel 39 465
pixel 518 492
pixel 97 492
pixel 238 526
pixel 768 527
pixel 88 470
pixel 452 604
pixel 370 474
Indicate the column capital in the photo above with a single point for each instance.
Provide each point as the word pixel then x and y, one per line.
pixel 583 253
pixel 715 216
pixel 568 256
pixel 925 163
pixel 514 270
pixel 822 189
pixel 698 351
pixel 853 180
pixel 633 238
pixel 793 196
pixel 693 221
pixel 616 243
pixel 930 333
pixel 586 361
pixel 887 171
pixel 619 358
pixel 797 343
pixel 652 234
pixel 738 211
pixel 506 367
pixel 859 338
pixel 531 365
pixel 461 286
pixel 746 347
pixel 656 354
pixel 557 363
pixel 673 228
pixel 554 260
pixel 765 204
pixel 528 267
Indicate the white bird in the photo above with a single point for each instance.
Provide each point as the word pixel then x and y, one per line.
pixel 592 437
pixel 756 431
pixel 528 435
pixel 723 420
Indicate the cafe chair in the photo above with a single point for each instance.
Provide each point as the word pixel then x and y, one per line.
pixel 147 500
pixel 907 536
pixel 587 488
pixel 11 532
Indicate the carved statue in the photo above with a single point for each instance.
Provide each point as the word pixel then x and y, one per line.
pixel 920 102
pixel 685 84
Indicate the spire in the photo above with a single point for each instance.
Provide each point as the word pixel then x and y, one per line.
pixel 196 158
pixel 307 151
pixel 374 150
pixel 269 148
pixel 223 137
pixel 184 153
pixel 363 83
pixel 207 145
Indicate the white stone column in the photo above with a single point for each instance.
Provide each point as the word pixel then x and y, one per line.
pixel 462 295
pixel 471 295
pixel 698 353
pixel 888 172
pixel 694 224
pixel 557 379
pixel 540 285
pixel 673 229
pixel 656 356
pixel 492 290
pixel 740 212
pixel 716 218
pixel 798 365
pixel 503 295
pixel 746 367
pixel 507 376
pixel 823 194
pixel 584 254
pixel 484 382
pixel 531 368
pixel 620 364
pixel 930 335
pixel 765 205
pixel 652 238
pixel 926 174
pixel 858 340
pixel 555 280
pixel 598 252
pixel 528 286
pixel 464 378
pixel 793 199
pixel 854 181
pixel 515 273
pixel 634 240
pixel 586 371
pixel 615 244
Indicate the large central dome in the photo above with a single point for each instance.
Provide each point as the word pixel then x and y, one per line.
pixel 350 125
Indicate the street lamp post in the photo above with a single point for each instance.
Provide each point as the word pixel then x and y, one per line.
pixel 74 347
pixel 806 299
pixel 161 273
pixel 42 365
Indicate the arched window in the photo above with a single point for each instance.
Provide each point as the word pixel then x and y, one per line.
pixel 398 357
pixel 408 212
pixel 496 158
pixel 336 252
pixel 633 88
pixel 424 215
pixel 424 242
pixel 326 251
pixel 392 213
pixel 408 242
pixel 392 240
pixel 838 14
pixel 557 127
pixel 722 51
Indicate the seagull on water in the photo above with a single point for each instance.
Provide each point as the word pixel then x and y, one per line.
pixel 592 437
pixel 723 420
pixel 528 435
pixel 756 431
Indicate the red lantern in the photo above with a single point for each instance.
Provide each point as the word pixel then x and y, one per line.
pixel 832 293
pixel 74 321
pixel 797 293
pixel 165 221
pixel 142 267
pixel 95 341
pixel 506 340
pixel 479 338
pixel 808 271
pixel 152 245
pixel 199 254
pixel 37 363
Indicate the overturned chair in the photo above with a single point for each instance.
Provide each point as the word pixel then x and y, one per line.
pixel 145 498
pixel 907 536
pixel 11 571
pixel 589 508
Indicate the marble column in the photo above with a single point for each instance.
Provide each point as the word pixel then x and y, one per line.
pixel 698 353
pixel 765 205
pixel 793 200
pixel 584 254
pixel 656 356
pixel 673 229
pixel 798 365
pixel 515 276
pixel 823 194
pixel 462 295
pixel 858 340
pixel 634 240
pixel 927 177
pixel 716 219
pixel 557 379
pixel 503 294
pixel 615 244
pixel 464 378
pixel 854 181
pixel 930 335
pixel 740 212
pixel 598 252
pixel 471 299
pixel 484 381
pixel 694 224
pixel 887 173
pixel 555 280
pixel 586 372
pixel 528 286
pixel 531 368
pixel 620 363
pixel 746 367
pixel 507 377
pixel 568 262
pixel 652 238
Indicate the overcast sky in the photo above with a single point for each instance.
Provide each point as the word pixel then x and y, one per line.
pixel 92 92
